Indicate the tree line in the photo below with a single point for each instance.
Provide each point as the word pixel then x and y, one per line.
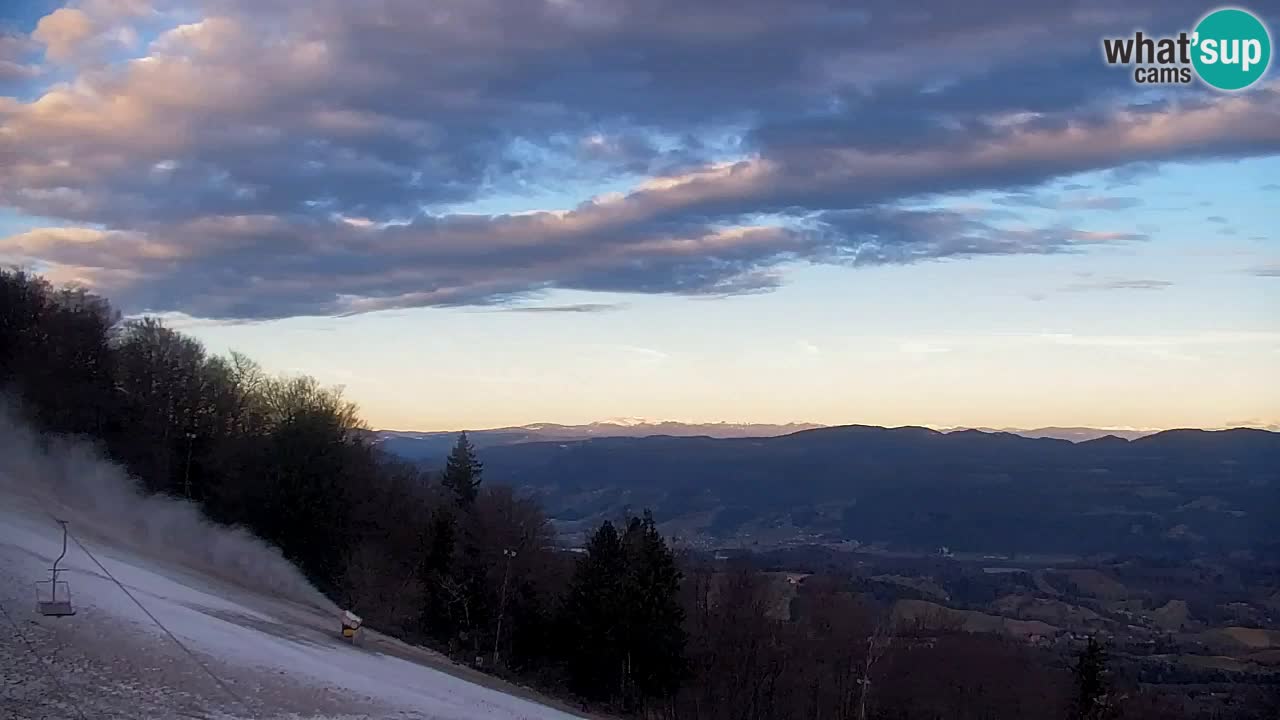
pixel 440 558
pixel 453 560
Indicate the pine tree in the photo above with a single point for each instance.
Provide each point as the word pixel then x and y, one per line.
pixel 1092 684
pixel 462 473
pixel 624 619
pixel 654 620
pixel 593 618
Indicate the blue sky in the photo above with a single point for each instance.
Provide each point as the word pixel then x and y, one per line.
pixel 482 214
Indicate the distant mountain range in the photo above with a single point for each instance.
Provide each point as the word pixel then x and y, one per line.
pixel 1074 434
pixel 432 445
pixel 436 444
pixel 1172 492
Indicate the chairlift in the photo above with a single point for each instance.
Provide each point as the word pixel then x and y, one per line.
pixel 53 596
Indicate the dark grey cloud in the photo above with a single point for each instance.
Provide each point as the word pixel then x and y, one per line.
pixel 452 262
pixel 1130 174
pixel 898 236
pixel 279 158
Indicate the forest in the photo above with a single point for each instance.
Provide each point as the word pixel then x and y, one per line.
pixel 629 625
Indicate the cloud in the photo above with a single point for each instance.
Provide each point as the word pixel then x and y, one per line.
pixel 264 160
pixel 118 9
pixel 898 236
pixel 15 53
pixel 1257 423
pixel 75 35
pixel 574 308
pixel 1266 270
pixel 1074 201
pixel 64 33
pixel 12 71
pixel 1131 174
pixel 1119 284
pixel 262 267
pixel 1102 203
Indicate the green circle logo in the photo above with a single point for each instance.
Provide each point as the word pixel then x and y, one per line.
pixel 1231 49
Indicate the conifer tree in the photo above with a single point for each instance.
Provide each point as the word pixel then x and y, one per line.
pixel 655 644
pixel 1092 684
pixel 592 620
pixel 462 473
pixel 624 618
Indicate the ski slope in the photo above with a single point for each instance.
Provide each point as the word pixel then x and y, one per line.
pixel 277 657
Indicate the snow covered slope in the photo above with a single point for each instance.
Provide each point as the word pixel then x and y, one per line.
pixel 278 655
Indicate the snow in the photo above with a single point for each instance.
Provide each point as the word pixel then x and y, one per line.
pixel 285 658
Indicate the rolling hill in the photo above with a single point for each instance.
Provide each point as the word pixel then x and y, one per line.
pixel 1178 491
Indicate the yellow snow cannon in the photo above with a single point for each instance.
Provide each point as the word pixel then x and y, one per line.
pixel 350 625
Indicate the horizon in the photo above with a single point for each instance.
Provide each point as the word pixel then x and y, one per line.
pixel 638 422
pixel 493 214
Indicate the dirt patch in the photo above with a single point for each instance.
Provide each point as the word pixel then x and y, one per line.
pixel 1253 638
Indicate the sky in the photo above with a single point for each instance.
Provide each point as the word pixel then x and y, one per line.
pixel 478 213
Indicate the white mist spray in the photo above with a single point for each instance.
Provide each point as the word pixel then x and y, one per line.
pixel 68 477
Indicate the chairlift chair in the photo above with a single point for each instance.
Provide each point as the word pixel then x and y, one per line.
pixel 53 596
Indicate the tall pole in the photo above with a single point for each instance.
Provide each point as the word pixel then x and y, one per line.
pixel 186 476
pixel 502 605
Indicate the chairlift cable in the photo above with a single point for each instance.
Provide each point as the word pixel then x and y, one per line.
pixel 225 688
